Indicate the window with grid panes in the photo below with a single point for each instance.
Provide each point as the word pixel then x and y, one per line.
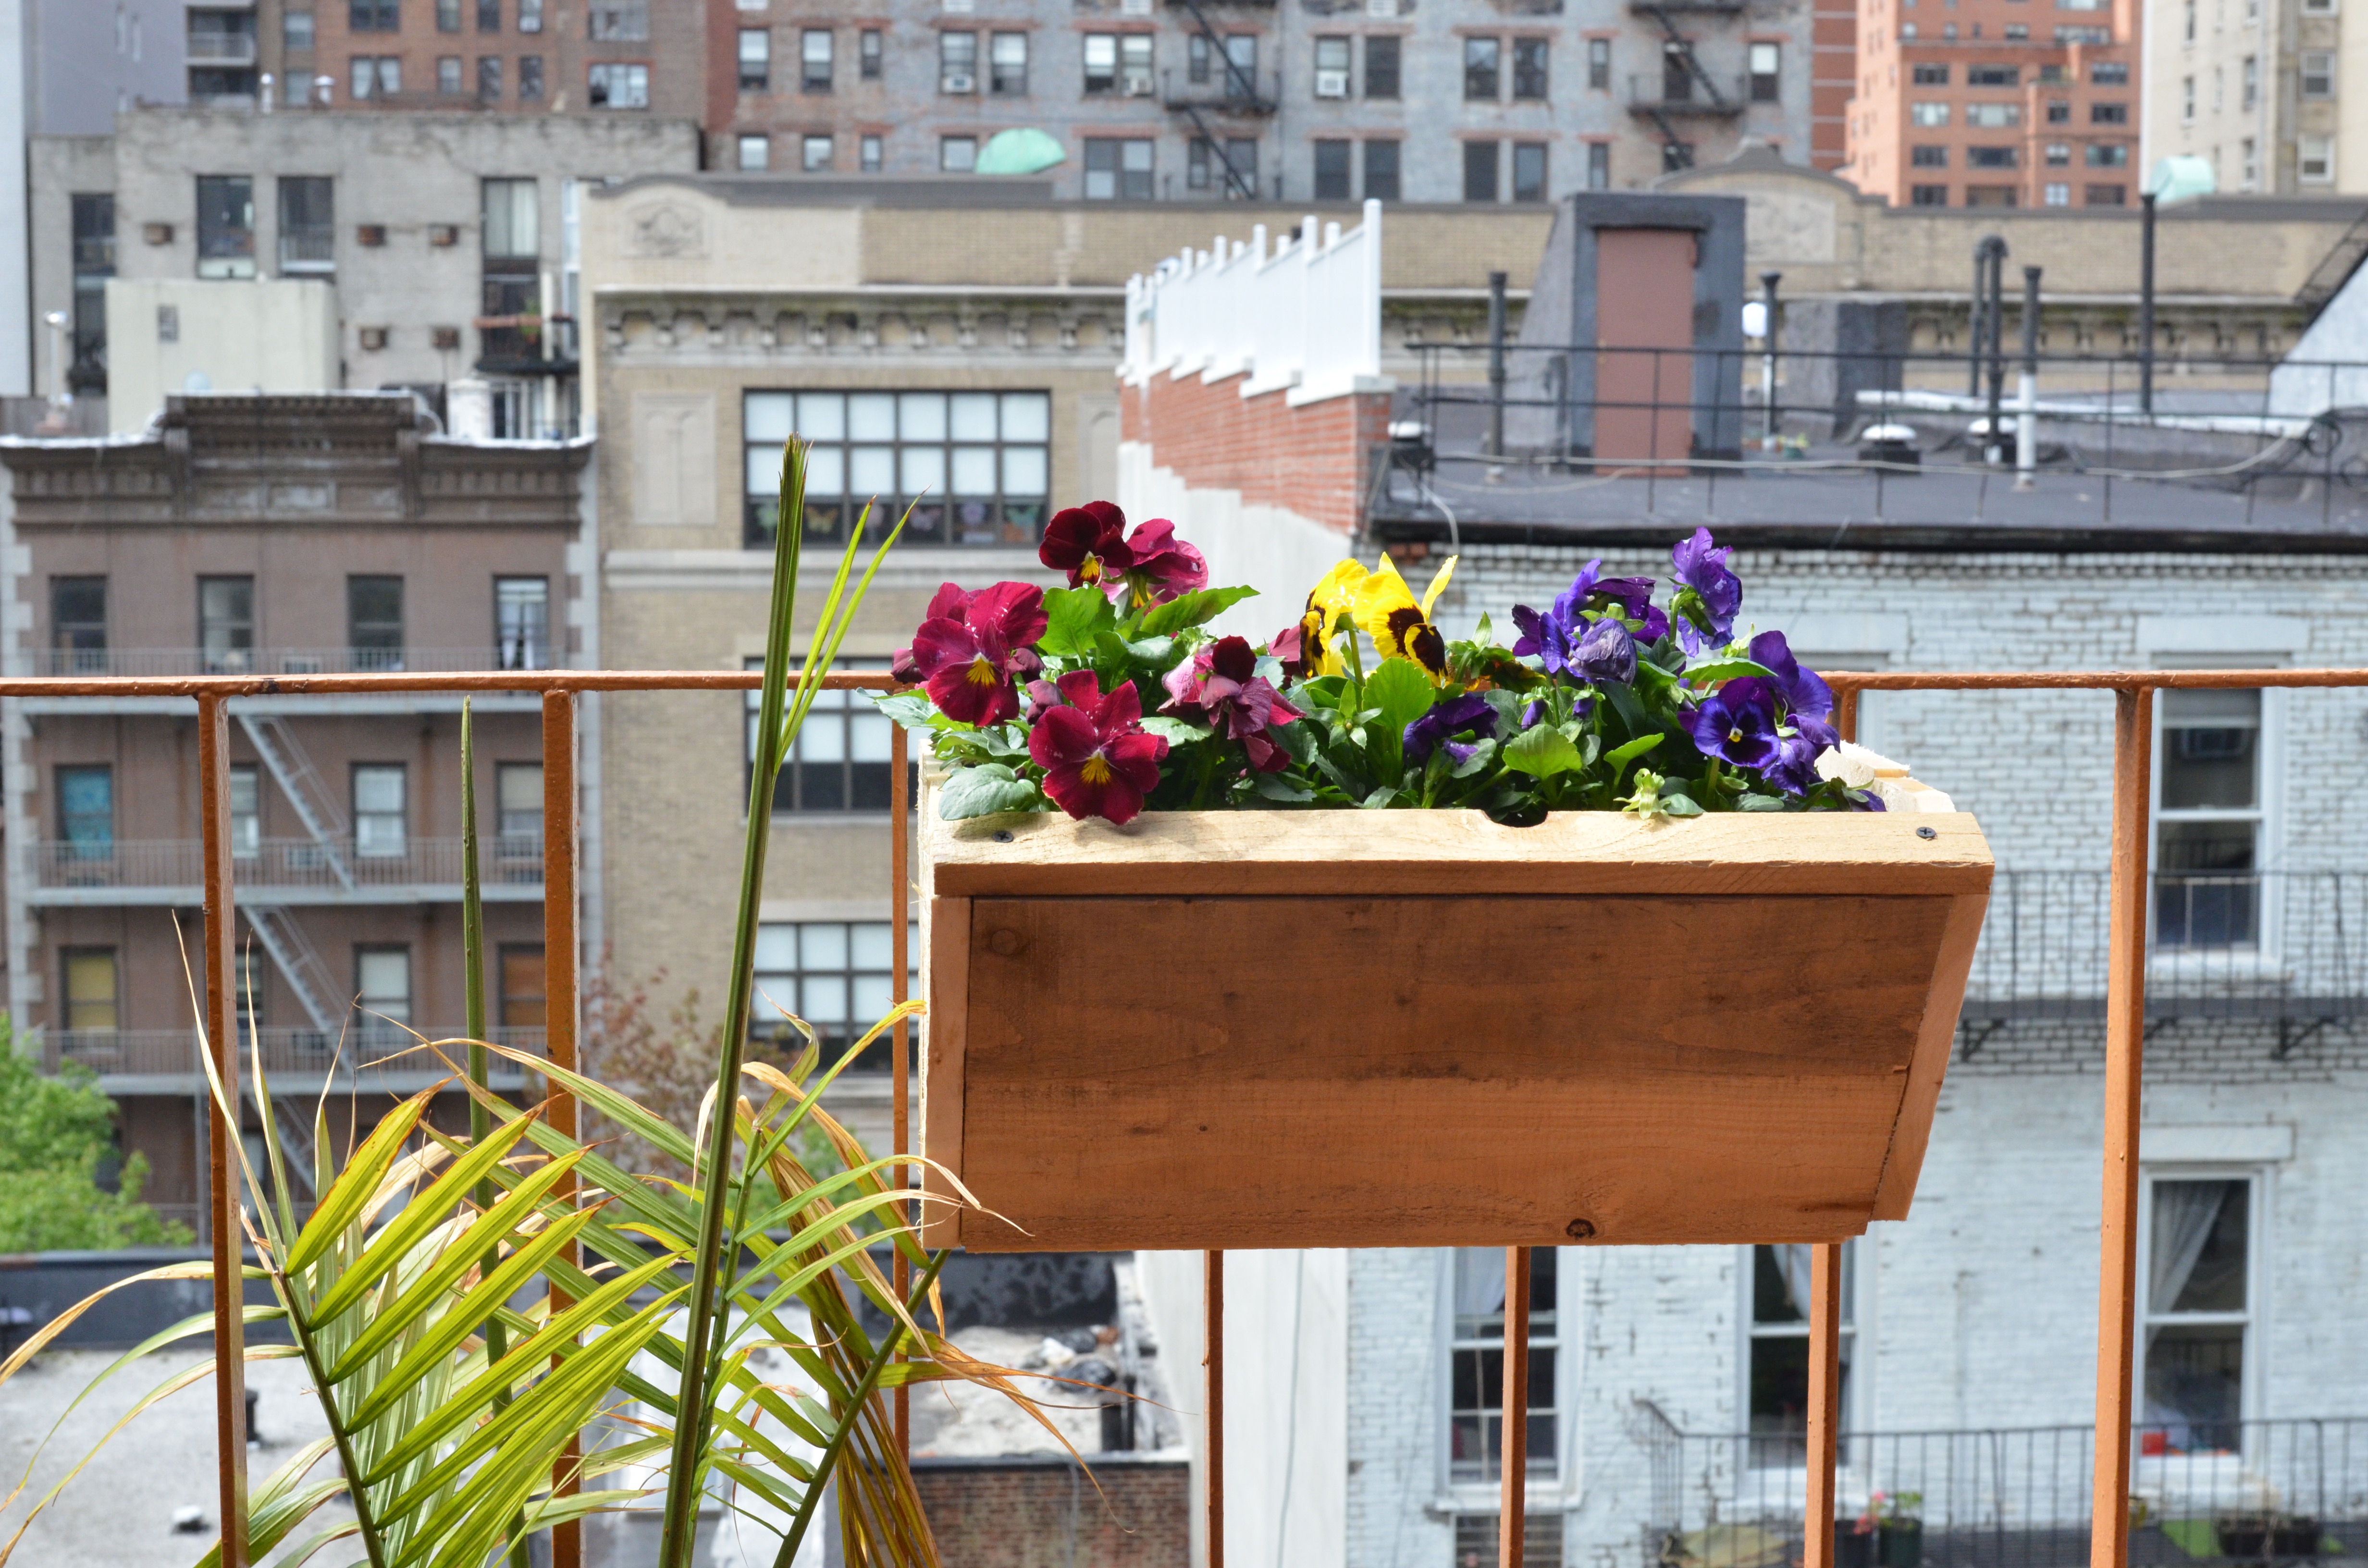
pixel 1777 1381
pixel 2208 819
pixel 91 989
pixel 836 975
pixel 245 811
pixel 1382 57
pixel 1530 68
pixel 2198 1314
pixel 517 821
pixel 1476 1407
pixel 1118 168
pixel 1382 170
pixel 841 759
pixel 78 625
pixel 978 465
pixel 757 60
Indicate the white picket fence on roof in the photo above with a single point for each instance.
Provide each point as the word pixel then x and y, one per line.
pixel 1305 316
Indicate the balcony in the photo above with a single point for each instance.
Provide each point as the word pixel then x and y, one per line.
pixel 171 871
pixel 1685 8
pixel 2233 1490
pixel 210 48
pixel 372 1056
pixel 1675 96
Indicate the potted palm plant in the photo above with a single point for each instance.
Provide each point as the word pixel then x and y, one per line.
pixel 1602 935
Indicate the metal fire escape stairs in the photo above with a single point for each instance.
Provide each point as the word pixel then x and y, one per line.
pixel 274 925
pixel 1675 41
pixel 1242 96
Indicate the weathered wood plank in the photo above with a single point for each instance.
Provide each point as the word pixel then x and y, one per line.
pixel 1922 1095
pixel 945 937
pixel 1350 853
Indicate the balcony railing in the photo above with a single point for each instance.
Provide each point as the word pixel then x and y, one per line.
pixel 1669 94
pixel 178 864
pixel 273 661
pixel 2016 1497
pixel 221 48
pixel 370 1044
pixel 2283 945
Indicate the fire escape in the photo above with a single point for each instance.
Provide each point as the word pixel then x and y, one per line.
pixel 1239 97
pixel 1684 90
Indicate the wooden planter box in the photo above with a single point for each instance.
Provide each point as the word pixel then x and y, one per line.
pixel 1419 1028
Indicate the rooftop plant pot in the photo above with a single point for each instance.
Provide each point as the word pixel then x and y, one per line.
pixel 1422 1028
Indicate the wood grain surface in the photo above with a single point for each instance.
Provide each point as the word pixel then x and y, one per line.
pixel 1443 1070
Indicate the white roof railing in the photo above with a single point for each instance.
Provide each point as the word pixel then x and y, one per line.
pixel 1305 317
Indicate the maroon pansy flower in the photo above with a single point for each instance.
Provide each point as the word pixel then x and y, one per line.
pixel 974 650
pixel 1162 567
pixel 1097 761
pixel 1088 542
pixel 1219 685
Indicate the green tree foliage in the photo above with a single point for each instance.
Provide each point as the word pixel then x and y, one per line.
pixel 54 1132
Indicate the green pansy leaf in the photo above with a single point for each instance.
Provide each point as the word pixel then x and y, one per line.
pixel 1760 804
pixel 913 710
pixel 1396 695
pixel 1176 731
pixel 984 791
pixel 1714 669
pixel 1074 617
pixel 1275 787
pixel 1380 798
pixel 1541 753
pixel 1679 806
pixel 1621 757
pixel 1191 609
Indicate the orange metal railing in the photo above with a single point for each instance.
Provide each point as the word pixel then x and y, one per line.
pixel 2125 1043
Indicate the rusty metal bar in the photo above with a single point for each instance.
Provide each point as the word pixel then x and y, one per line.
pixel 223 1146
pixel 1513 1444
pixel 561 953
pixel 2117 1242
pixel 1825 1402
pixel 1213 1333
pixel 900 902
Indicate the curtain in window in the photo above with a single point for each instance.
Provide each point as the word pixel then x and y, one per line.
pixel 1797 1264
pixel 2184 1213
pixel 1479 1281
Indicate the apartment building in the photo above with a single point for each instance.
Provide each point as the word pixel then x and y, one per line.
pixel 267 535
pixel 448 238
pixel 1468 101
pixel 517 56
pixel 2257 88
pixel 1988 105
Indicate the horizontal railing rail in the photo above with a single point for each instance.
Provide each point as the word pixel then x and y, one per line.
pixel 275 661
pixel 369 1044
pixel 337 866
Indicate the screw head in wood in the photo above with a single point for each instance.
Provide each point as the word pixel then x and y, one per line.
pixel 1580 1230
pixel 1002 835
pixel 1928 833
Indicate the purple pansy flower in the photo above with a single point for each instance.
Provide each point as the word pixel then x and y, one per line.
pixel 1705 618
pixel 1555 636
pixel 1453 717
pixel 1737 722
pixel 1607 652
pixel 1804 691
pixel 1634 597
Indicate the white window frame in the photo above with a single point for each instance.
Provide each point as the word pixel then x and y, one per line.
pixel 1857 1398
pixel 2325 71
pixel 2306 146
pixel 2251 1401
pixel 781 989
pixel 1560 1490
pixel 2267 815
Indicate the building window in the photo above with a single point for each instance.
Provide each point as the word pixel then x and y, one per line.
pixel 757 60
pixel 381 811
pixel 1241 65
pixel 2197 1312
pixel 1382 170
pixel 1993 75
pixel 620 21
pixel 1529 171
pixel 1481 57
pixel 489 16
pixel 1930 76
pixel 2315 160
pixel 2108 196
pixel 2188 25
pixel 1992 117
pixel 1332 171
pixel 838 975
pixel 2109 73
pixel 1241 167
pixel 867 53
pixel 2207 841
pixel 374 622
pixel 226 625
pixel 2317 74
pixel 2101 156
pixel 1599 65
pixel 841 759
pixel 1767 73
pixel 448 74
pixel 1007 62
pixel 2312 9
pixel 2109 114
pixel 308 224
pixel 958 63
pixel 518 804
pixel 1121 62
pixel 2059 111
pixel 1928 114
pixel 815 154
pixel 755 154
pixel 980 462
pixel 1928 158
pixel 225 226
pixel 1479 171
pixel 1990 157
pixel 2058 155
pixel 77 626
pixel 245 811
pixel 1675 155
pixel 94 263
pixel 1927 195
pixel 1475 1414
pixel 1196 59
pixel 489 78
pixel 511 275
pixel 1599 165
pixel 815 50
pixel 529 16
pixel 1101 62
pixel 1382 56
pixel 1332 67
pixel 376 16
pixel 2017 32
pixel 957 154
pixel 530 78
pixel 383 992
pixel 1530 68
pixel 2250 78
pixel 86 811
pixel 448 15
pixel 871 155
pixel 91 993
pixel 1778 1379
pixel 2186 100
pixel 524 986
pixel 1197 160
pixel 2249 164
pixel 296 31
pixel 617 87
pixel 522 622
pixel 1117 169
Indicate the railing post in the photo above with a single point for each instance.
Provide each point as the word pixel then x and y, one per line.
pixel 1212 1334
pixel 560 955
pixel 1825 1402
pixel 221 1129
pixel 1513 1445
pixel 900 900
pixel 2109 1538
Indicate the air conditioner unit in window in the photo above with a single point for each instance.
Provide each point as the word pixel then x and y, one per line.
pixel 1331 84
pixel 1142 7
pixel 958 82
pixel 1138 83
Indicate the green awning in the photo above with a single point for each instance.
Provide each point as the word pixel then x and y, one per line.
pixel 1022 151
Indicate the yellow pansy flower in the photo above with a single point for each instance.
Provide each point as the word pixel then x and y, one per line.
pixel 1333 596
pixel 1400 627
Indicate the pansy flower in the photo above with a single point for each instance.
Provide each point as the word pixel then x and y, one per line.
pixel 973 650
pixel 1160 567
pixel 1606 654
pixel 1219 685
pixel 1400 627
pixel 1470 714
pixel 1554 637
pixel 1708 595
pixel 1801 689
pixel 1097 760
pixel 1634 595
pixel 1088 542
pixel 1737 722
pixel 1334 596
